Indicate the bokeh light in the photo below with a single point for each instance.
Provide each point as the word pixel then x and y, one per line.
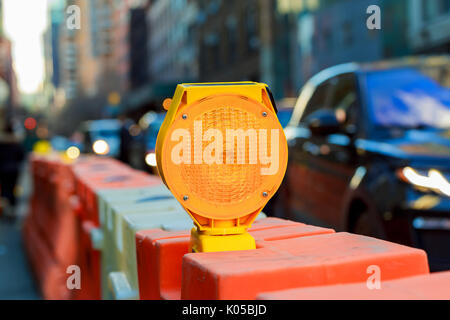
pixel 73 153
pixel 30 123
pixel 100 147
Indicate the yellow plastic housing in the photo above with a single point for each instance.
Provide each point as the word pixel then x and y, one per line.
pixel 222 197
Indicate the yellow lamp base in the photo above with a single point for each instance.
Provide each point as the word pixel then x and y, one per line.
pixel 201 242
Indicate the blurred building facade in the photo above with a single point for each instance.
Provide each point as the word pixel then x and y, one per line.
pixel 137 50
pixel 245 40
pixel 172 42
pixel 108 21
pixel 89 64
pixel 8 83
pixel 138 47
pixel 429 26
pixel 229 40
pixel 51 44
pixel 94 58
pixel 334 32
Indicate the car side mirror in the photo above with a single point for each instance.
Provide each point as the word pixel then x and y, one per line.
pixel 323 122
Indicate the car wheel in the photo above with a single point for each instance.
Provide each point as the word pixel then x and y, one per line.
pixel 365 226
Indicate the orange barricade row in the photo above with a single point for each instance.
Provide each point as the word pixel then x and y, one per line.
pixel 291 261
pixel 160 253
pixel 295 262
pixel 49 231
pixel 89 262
pixel 92 176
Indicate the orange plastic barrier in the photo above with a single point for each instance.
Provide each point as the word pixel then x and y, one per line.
pixel 160 253
pixel 91 176
pixel 435 286
pixel 159 257
pixel 99 173
pixel 292 260
pixel 296 262
pixel 63 212
pixel 89 262
pixel 49 231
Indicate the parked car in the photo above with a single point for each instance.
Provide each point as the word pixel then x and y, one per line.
pixel 60 143
pixel 151 134
pixel 369 152
pixel 143 150
pixel 285 108
pixel 102 137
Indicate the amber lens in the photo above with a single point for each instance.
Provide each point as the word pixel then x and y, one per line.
pixel 234 186
pixel 229 182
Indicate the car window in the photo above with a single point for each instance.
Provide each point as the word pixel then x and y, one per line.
pixel 319 99
pixel 413 98
pixel 284 116
pixel 344 99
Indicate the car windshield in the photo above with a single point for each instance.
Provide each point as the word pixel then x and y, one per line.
pixel 284 116
pixel 98 134
pixel 410 98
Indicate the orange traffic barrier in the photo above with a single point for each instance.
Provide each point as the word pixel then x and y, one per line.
pixel 435 286
pixel 296 262
pixel 89 262
pixel 50 275
pixel 90 182
pixel 292 260
pixel 159 257
pixel 53 231
pixel 91 176
pixel 160 253
pixel 49 230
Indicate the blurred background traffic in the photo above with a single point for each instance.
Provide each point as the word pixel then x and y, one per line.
pixel 369 136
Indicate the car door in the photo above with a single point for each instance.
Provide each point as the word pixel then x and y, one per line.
pixel 331 159
pixel 300 150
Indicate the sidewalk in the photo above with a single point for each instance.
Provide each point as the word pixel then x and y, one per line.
pixel 16 279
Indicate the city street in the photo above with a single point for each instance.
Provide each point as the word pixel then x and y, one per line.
pixel 211 149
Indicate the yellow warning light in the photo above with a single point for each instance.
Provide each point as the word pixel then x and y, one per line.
pixel 222 152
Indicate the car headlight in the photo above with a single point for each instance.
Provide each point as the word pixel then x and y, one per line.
pixel 150 159
pixel 433 180
pixel 73 152
pixel 100 147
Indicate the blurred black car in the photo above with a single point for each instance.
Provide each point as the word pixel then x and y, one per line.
pixel 285 108
pixel 143 155
pixel 369 152
pixel 101 137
